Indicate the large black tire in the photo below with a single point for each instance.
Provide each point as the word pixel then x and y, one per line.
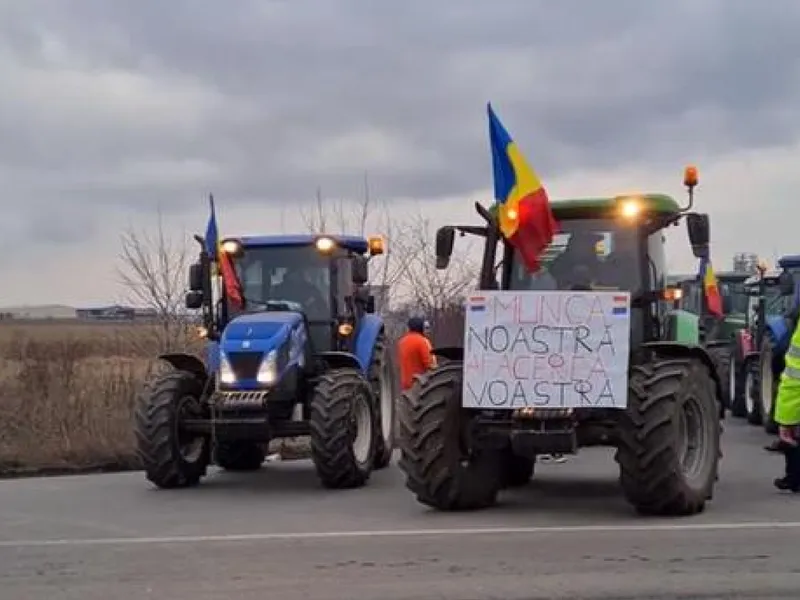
pixel 342 413
pixel 767 384
pixel 383 381
pixel 160 443
pixel 653 444
pixel 517 470
pixel 239 456
pixel 737 376
pixel 721 357
pixel 440 470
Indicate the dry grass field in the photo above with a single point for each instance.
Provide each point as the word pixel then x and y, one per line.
pixel 67 393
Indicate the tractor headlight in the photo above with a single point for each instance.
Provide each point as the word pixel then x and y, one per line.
pixel 226 374
pixel 268 371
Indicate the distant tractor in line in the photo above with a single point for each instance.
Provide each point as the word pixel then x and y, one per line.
pixel 774 299
pixel 456 456
pixel 720 335
pixel 305 356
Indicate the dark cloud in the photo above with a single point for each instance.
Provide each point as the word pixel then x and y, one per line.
pixel 132 103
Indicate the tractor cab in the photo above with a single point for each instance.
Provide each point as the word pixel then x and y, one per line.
pixel 773 291
pixel 602 244
pixel 324 277
pixel 734 303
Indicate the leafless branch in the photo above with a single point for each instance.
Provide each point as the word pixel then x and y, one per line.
pixel 153 270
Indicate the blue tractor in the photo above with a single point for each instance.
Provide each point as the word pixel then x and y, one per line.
pixel 304 355
pixel 775 305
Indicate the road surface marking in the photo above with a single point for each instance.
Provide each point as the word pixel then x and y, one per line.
pixel 391 533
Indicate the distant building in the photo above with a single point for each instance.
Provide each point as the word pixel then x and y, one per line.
pixel 107 313
pixel 48 311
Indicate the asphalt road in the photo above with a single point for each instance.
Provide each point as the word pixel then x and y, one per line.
pixel 277 535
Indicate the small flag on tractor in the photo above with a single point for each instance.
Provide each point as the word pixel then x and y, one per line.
pixel 233 288
pixel 525 218
pixel 711 288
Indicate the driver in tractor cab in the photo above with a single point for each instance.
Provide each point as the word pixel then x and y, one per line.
pixel 298 286
pixel 578 267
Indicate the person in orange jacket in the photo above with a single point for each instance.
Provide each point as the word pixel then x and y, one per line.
pixel 414 352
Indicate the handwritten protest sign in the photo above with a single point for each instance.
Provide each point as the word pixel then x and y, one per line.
pixel 546 350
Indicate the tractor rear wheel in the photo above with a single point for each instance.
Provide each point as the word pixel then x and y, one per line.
pixel 342 423
pixel 383 382
pixel 441 468
pixel 170 456
pixel 669 443
pixel 239 456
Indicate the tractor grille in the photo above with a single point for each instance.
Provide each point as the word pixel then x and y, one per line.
pixel 245 364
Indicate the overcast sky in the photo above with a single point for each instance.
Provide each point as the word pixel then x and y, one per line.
pixel 112 108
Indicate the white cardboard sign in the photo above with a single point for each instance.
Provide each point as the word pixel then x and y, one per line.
pixel 546 349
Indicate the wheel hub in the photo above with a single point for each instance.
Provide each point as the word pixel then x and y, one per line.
pixel 190 445
pixel 692 444
pixel 749 400
pixel 361 424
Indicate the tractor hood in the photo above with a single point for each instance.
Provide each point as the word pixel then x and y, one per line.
pixel 260 326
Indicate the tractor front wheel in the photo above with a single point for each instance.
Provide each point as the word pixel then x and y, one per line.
pixel 441 467
pixel 342 425
pixel 170 456
pixel 669 443
pixel 239 456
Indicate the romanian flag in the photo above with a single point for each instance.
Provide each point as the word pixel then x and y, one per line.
pixel 711 287
pixel 526 220
pixel 233 288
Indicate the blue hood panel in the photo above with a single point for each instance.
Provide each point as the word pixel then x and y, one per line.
pixel 259 326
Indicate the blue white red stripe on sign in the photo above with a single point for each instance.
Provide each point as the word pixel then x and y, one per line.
pixel 477 303
pixel 620 305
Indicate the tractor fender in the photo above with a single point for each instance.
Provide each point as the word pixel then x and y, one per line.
pixel 337 360
pixel 678 349
pixel 450 352
pixel 185 362
pixel 367 332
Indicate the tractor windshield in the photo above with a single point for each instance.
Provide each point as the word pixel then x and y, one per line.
pixel 734 297
pixel 298 274
pixel 586 254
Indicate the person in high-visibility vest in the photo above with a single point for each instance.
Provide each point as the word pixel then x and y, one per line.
pixel 787 414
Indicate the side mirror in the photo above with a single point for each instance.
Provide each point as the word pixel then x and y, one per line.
pixel 786 283
pixel 194 299
pixel 196 277
pixel 360 272
pixel 445 238
pixel 698 227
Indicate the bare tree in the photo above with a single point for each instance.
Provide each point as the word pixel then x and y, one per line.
pixel 153 271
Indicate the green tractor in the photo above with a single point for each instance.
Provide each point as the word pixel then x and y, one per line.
pixel 719 336
pixel 459 453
